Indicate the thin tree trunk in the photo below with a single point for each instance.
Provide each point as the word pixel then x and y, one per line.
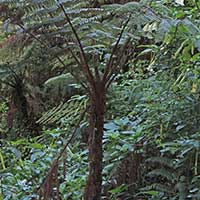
pixel 94 181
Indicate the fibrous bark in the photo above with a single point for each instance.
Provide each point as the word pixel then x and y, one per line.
pixel 94 181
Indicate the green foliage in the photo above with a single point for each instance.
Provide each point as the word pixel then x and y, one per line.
pixel 3 110
pixel 20 179
pixel 153 110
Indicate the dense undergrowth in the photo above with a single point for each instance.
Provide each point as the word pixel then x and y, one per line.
pixel 151 138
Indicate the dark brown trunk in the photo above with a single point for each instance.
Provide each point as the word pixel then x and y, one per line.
pixel 94 181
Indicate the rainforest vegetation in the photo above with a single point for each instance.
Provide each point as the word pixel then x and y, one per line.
pixel 100 99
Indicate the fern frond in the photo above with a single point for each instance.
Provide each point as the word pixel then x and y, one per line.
pixel 66 78
pixel 164 173
pixel 124 8
pixel 162 161
pixel 158 187
pixel 67 112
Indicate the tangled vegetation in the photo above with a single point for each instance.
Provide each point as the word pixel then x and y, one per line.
pixel 100 99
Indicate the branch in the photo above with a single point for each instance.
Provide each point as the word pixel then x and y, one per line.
pixel 73 55
pixel 111 80
pixel 110 62
pixel 85 66
pixel 77 79
pixel 119 64
pixel 57 57
pixel 15 75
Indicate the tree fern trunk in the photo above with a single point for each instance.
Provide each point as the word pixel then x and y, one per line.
pixel 94 181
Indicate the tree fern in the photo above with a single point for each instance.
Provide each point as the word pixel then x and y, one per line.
pixel 98 60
